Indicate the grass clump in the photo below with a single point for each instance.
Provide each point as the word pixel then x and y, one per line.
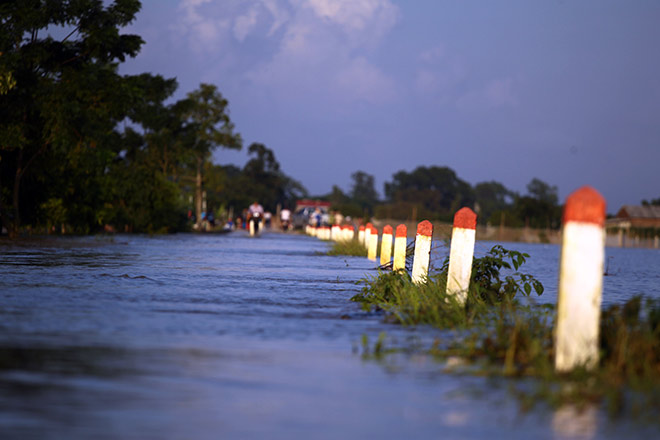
pixel 428 303
pixel 500 336
pixel 349 247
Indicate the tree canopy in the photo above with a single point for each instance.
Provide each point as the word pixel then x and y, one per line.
pixel 61 98
pixel 84 148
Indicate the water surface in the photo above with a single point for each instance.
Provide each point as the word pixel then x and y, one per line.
pixel 224 336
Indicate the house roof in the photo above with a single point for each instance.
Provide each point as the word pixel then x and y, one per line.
pixel 631 211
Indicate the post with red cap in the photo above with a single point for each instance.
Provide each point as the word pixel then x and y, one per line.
pixel 386 245
pixel 463 236
pixel 580 280
pixel 372 248
pixel 422 256
pixel 400 245
pixel 361 235
pixel 367 234
pixel 335 233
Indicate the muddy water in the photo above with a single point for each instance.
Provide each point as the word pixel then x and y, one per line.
pixel 205 337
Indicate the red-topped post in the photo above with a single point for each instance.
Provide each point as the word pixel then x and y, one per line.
pixel 463 236
pixel 386 245
pixel 580 280
pixel 422 257
pixel 400 245
pixel 367 234
pixel 361 234
pixel 372 249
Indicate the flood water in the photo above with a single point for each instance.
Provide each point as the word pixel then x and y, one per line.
pixel 226 336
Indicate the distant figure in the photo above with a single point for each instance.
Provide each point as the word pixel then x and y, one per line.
pixel 316 218
pixel 267 218
pixel 254 216
pixel 285 219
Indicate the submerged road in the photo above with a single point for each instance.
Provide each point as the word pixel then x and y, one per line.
pixel 226 336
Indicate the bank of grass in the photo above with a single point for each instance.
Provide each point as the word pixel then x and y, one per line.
pixel 350 247
pixel 499 335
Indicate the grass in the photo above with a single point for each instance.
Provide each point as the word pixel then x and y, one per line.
pixel 350 247
pixel 497 335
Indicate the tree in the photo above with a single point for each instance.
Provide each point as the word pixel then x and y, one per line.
pixel 266 182
pixel 436 190
pixel 60 97
pixel 363 192
pixel 491 197
pixel 542 191
pixel 209 127
pixel 652 202
pixel 539 208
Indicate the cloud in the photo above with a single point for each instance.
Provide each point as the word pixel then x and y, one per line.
pixel 496 93
pixel 279 15
pixel 325 51
pixel 439 74
pixel 244 24
pixel 320 48
pixel 355 17
pixel 201 32
pixel 359 79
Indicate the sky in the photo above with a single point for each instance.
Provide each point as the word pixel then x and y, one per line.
pixel 564 91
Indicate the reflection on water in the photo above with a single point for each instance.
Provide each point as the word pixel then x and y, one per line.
pixel 570 422
pixel 193 336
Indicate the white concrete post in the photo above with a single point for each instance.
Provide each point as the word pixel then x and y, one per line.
pixel 335 233
pixel 463 236
pixel 367 234
pixel 351 232
pixel 580 280
pixel 361 235
pixel 386 245
pixel 346 233
pixel 400 245
pixel 373 244
pixel 422 257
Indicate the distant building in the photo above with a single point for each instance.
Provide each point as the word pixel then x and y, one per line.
pixel 630 216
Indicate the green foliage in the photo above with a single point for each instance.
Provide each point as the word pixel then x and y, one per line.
pixel 490 198
pixel 260 179
pixel 63 97
pixel 488 282
pixel 499 336
pixel 53 212
pixel 652 202
pixel 436 190
pixel 363 192
pixel 350 247
pixel 428 303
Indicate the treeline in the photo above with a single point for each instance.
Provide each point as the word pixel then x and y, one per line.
pixel 84 148
pixel 436 193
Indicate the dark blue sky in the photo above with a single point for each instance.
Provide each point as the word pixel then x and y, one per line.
pixel 565 91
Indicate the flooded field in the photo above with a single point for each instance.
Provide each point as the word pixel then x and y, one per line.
pixel 224 336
